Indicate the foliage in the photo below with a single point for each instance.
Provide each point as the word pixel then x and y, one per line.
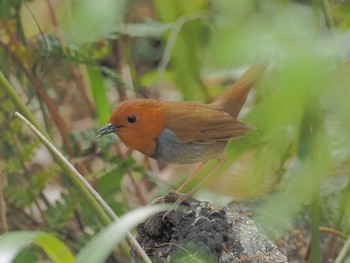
pixel 69 63
pixel 12 243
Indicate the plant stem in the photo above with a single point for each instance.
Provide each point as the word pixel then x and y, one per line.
pixel 30 119
pixel 89 192
pixel 343 252
pixel 104 216
pixel 10 91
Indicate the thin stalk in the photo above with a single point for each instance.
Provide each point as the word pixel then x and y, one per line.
pixel 77 178
pixel 104 217
pixel 89 191
pixel 42 93
pixel 10 91
pixel 31 119
pixel 340 258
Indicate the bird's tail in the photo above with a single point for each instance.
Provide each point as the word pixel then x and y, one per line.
pixel 234 98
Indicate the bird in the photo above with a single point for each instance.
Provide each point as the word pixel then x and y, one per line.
pixel 184 132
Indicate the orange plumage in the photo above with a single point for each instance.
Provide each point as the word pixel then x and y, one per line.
pixel 183 132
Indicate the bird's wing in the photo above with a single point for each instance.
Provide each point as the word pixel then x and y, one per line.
pixel 221 130
pixel 198 123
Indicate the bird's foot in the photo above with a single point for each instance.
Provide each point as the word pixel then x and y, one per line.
pixel 158 200
pixel 180 198
pixel 163 199
pixel 174 197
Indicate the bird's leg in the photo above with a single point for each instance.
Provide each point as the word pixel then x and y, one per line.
pixel 217 166
pixel 189 179
pixel 182 187
pixel 190 193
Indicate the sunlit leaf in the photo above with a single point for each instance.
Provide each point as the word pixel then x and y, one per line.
pixel 11 244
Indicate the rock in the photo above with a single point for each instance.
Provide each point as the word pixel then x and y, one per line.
pixel 205 233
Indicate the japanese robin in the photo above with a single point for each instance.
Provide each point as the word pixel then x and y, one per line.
pixel 184 132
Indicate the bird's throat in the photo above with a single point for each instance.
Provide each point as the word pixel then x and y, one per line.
pixel 141 144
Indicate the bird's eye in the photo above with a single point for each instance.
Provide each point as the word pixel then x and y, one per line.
pixel 132 118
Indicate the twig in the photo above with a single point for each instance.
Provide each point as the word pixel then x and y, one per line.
pixel 332 231
pixel 93 192
pixel 13 40
pixel 136 187
pixel 30 221
pixel 52 13
pixel 79 81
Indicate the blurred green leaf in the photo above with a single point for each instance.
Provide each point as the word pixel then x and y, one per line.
pixel 19 195
pixel 59 213
pixel 11 244
pixel 85 21
pixel 284 155
pixel 26 256
pixel 110 181
pixel 113 234
pixel 99 95
pixel 150 78
pixel 7 8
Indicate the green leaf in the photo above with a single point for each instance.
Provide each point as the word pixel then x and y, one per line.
pixel 59 213
pixel 11 244
pixel 19 195
pixel 101 246
pixel 7 8
pixel 110 181
pixel 99 95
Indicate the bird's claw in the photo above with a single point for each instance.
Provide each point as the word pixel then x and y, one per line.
pixel 182 197
pixel 158 200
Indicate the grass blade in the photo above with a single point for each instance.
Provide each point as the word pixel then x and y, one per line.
pixel 99 95
pixel 91 194
pixel 112 235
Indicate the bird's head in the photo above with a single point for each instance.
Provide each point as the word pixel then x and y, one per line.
pixel 137 122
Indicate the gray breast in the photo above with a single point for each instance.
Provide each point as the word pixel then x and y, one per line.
pixel 171 150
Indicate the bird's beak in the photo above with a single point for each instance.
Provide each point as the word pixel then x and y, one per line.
pixel 109 128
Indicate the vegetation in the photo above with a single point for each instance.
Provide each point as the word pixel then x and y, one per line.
pixel 65 64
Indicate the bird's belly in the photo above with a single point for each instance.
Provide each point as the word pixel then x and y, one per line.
pixel 171 150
